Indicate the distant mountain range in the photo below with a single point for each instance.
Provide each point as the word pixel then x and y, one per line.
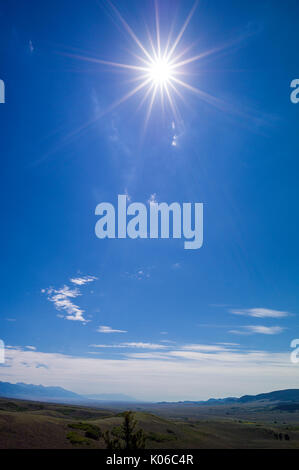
pixel 289 395
pixel 28 391
pixel 56 394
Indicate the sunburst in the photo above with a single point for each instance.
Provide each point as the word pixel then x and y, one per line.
pixel 160 69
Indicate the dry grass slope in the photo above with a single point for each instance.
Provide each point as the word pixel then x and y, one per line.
pixel 32 425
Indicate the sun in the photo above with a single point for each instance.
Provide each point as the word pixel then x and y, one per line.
pixel 160 72
pixel 160 69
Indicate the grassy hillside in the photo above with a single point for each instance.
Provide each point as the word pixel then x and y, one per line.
pixel 25 424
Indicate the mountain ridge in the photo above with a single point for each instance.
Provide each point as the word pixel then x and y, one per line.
pixel 22 390
pixel 286 395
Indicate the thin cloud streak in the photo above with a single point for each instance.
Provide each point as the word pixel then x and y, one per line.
pixel 81 281
pixel 138 345
pixel 108 330
pixel 260 313
pixel 259 329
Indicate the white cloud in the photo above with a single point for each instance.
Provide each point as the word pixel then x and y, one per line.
pixel 160 375
pixel 62 298
pixel 261 313
pixel 107 329
pixel 225 356
pixel 174 141
pixel 148 355
pixel 139 345
pixel 32 348
pixel 30 46
pixel 204 347
pixel 263 330
pixel 140 274
pixel 167 345
pixel 80 281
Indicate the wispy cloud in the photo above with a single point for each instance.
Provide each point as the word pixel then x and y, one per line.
pixel 261 313
pixel 80 281
pixel 174 135
pixel 141 345
pixel 137 345
pixel 176 266
pixel 140 273
pixel 167 345
pixel 108 329
pixel 148 355
pixel 97 110
pixel 62 301
pixel 62 298
pixel 204 347
pixel 30 47
pixel 32 348
pixel 174 141
pixel 258 329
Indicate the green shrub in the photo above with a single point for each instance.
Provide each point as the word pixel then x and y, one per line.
pixel 159 437
pixel 91 430
pixel 76 438
pixel 93 434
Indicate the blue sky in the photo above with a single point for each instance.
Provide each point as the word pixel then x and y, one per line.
pixel 178 324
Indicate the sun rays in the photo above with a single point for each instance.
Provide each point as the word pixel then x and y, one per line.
pixel 159 73
pixel 160 68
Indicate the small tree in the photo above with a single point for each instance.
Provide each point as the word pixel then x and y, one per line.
pixel 125 437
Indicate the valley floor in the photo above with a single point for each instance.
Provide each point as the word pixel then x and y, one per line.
pixel 35 425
